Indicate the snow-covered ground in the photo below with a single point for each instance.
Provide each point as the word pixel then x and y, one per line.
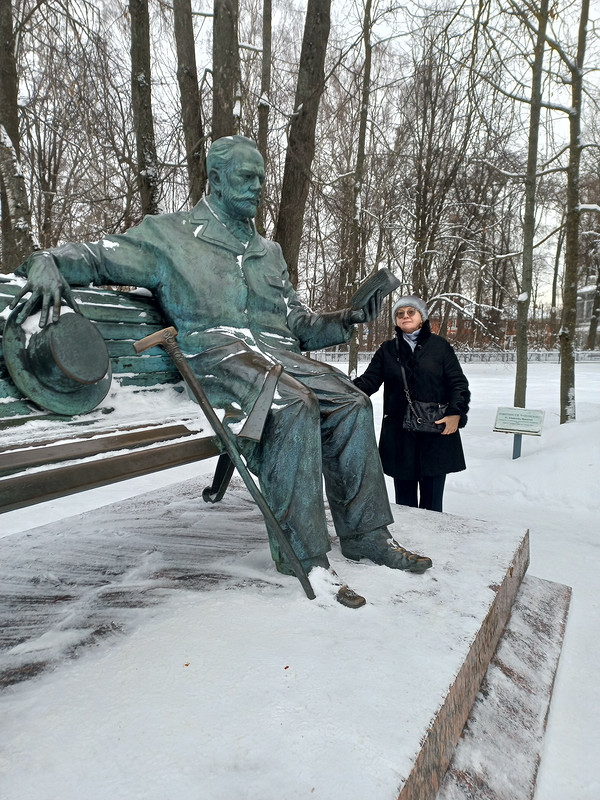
pixel 553 489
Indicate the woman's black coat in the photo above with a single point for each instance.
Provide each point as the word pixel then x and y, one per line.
pixel 434 374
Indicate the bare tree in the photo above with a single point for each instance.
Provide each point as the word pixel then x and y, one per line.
pixel 569 318
pixel 191 106
pixel 534 21
pixel 356 232
pixel 15 206
pixel 593 329
pixel 226 69
pixel 301 141
pixel 263 102
pixel 17 239
pixel 141 99
pixel 524 297
pixel 77 146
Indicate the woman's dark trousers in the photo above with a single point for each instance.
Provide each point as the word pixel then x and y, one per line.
pixel 430 492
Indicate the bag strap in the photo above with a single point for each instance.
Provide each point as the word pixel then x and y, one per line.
pixel 406 392
pixel 404 378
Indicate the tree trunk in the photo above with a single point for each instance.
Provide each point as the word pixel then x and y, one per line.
pixel 15 202
pixel 356 239
pixel 191 107
pixel 17 236
pixel 141 100
pixel 9 116
pixel 593 329
pixel 569 315
pixel 264 103
pixel 9 119
pixel 529 216
pixel 554 301
pixel 301 143
pixel 226 69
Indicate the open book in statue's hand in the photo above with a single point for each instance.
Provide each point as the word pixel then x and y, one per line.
pixel 382 280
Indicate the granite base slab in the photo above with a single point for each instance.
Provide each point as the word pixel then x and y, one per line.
pixel 445 728
pixel 498 755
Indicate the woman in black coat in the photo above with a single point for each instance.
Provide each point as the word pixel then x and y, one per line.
pixel 418 462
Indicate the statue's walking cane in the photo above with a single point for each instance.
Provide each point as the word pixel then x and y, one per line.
pixel 167 338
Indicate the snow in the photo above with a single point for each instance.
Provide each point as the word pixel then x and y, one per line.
pixel 121 721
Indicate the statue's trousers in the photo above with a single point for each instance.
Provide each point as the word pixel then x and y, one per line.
pixel 320 427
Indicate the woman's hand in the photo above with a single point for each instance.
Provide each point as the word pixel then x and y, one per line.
pixel 451 423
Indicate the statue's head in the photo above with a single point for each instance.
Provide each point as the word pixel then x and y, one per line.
pixel 236 173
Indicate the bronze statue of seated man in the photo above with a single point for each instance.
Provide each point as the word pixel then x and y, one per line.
pixel 227 291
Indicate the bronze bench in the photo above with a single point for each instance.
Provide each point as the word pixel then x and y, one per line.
pixel 45 455
pixel 69 459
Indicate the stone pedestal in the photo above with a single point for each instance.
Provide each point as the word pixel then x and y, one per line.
pixel 288 698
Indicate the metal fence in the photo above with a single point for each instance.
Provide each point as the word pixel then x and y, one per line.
pixel 472 356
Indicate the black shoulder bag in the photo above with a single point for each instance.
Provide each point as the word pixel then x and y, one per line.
pixel 420 416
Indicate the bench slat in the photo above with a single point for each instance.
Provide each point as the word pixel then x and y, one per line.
pixel 34 487
pixel 102 304
pixel 161 363
pixel 121 313
pixel 118 348
pixel 8 389
pixel 124 330
pixel 18 407
pixel 146 380
pixel 16 460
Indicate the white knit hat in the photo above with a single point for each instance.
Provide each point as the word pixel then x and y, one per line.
pixel 410 300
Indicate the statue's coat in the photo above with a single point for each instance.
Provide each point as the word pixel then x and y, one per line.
pixel 206 281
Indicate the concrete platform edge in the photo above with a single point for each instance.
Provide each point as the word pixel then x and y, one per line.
pixel 499 753
pixel 445 729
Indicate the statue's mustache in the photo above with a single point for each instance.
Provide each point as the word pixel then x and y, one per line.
pixel 243 195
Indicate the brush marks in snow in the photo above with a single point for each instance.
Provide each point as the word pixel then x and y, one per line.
pixel 68 585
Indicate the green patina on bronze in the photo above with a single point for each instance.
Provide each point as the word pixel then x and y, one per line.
pixel 227 291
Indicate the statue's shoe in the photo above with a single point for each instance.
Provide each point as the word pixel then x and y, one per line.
pixel 349 598
pixel 380 547
pixel 325 580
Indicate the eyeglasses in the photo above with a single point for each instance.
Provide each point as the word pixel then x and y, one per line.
pixel 410 312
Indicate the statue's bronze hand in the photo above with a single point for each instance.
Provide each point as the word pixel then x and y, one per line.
pixel 45 283
pixel 370 311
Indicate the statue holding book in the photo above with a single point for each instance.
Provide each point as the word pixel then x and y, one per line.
pixel 226 289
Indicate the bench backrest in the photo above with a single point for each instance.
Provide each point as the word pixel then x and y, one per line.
pixel 122 318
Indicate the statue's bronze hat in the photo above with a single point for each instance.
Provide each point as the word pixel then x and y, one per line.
pixel 63 367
